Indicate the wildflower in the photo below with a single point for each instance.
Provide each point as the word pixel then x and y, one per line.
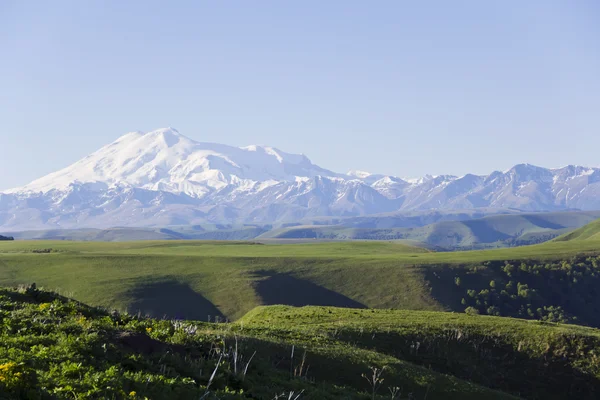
pixel 132 393
pixel 7 372
pixel 148 330
pixel 44 306
pixel 8 366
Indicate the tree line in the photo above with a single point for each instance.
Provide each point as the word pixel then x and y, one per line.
pixel 566 291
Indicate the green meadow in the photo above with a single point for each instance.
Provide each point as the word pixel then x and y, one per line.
pixel 289 320
pixel 196 279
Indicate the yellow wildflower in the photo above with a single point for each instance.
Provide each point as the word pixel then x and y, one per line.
pixel 7 366
pixel 7 372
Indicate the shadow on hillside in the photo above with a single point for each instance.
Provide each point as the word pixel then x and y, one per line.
pixel 484 232
pixel 441 280
pixel 171 299
pixel 489 360
pixel 542 223
pixel 281 288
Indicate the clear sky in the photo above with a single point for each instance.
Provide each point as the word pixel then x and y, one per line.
pixel 404 88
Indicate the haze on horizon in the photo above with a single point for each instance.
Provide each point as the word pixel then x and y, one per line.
pixel 401 89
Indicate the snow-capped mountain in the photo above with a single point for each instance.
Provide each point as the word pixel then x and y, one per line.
pixel 163 178
pixel 165 160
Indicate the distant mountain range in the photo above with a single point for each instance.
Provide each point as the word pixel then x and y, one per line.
pixel 163 178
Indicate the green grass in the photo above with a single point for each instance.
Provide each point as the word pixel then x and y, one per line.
pixel 536 360
pixel 372 250
pixel 228 279
pixel 590 231
pixel 119 280
pixel 429 353
pixel 55 348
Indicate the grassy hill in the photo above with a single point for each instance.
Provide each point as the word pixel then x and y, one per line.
pixel 54 348
pixel 590 231
pixel 491 231
pixel 201 280
pixel 527 358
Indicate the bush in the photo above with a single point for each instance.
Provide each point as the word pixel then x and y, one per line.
pixel 471 311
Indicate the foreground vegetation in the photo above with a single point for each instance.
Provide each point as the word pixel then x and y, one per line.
pixel 55 348
pixel 531 359
pixel 52 347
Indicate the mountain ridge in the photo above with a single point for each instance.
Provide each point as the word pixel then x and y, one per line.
pixel 163 178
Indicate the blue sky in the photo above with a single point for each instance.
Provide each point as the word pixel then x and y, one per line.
pixel 404 88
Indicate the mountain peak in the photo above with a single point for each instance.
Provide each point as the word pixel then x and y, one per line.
pixel 163 177
pixel 166 160
pixel 164 132
pixel 167 136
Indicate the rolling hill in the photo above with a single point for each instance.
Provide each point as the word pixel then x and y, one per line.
pixel 490 231
pixel 201 280
pixel 590 231
pixel 460 230
pixel 316 316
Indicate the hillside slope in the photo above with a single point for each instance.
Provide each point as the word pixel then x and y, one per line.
pixel 531 359
pixel 52 347
pixel 554 281
pixel 55 348
pixel 590 231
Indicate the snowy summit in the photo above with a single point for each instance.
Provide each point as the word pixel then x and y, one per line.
pixel 163 178
pixel 166 160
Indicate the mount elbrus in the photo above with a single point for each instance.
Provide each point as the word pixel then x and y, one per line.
pixel 163 178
